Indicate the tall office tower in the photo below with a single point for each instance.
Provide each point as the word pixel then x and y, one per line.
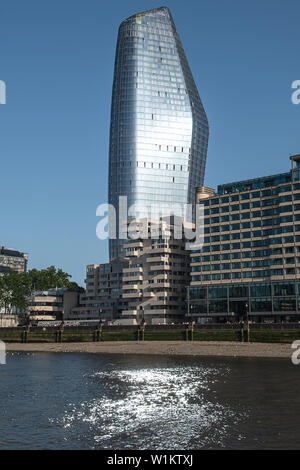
pixel 159 129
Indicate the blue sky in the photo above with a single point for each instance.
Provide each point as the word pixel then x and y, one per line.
pixel 57 60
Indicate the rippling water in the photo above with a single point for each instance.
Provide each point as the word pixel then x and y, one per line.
pixel 86 401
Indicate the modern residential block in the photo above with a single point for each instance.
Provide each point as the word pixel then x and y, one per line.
pixel 102 299
pixel 154 283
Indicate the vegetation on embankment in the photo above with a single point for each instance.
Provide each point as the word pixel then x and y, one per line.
pixel 88 334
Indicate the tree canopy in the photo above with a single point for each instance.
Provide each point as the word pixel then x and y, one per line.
pixel 15 287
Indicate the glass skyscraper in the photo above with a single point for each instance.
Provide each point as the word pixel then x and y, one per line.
pixel 159 129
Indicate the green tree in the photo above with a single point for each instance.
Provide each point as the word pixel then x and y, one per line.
pixel 16 287
pixel 13 291
pixel 50 278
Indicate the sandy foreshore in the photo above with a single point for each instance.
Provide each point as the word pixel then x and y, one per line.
pixel 167 348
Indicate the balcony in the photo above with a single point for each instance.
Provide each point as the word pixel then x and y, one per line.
pixel 133 243
pixel 129 312
pixel 130 286
pixel 159 259
pixel 160 267
pixel 148 294
pixel 132 270
pixel 131 295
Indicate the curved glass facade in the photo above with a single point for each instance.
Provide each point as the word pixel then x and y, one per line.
pixel 159 129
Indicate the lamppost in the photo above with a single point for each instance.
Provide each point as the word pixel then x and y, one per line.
pixel 188 302
pixel 247 313
pixel 143 316
pixel 247 316
pixel 100 316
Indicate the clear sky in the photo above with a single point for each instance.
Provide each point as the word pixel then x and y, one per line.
pixel 57 60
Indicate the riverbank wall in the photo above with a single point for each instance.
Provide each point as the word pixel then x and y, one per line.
pixel 276 333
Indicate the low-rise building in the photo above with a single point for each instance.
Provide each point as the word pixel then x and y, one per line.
pixel 52 304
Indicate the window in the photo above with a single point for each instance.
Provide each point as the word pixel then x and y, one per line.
pixel 226 266
pixel 217 292
pixel 258 273
pixel 256 214
pixel 256 233
pixel 246 264
pixel 214 201
pixel 282 304
pixel 215 248
pixel 261 305
pixel 260 289
pixel 235 235
pixel 247 274
pixel 226 246
pixel 215 267
pixel 246 234
pixel 226 275
pixel 235 265
pixel 284 288
pixel 236 275
pixel 246 245
pixel 235 246
pixel 225 237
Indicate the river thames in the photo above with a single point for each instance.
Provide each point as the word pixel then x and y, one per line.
pixel 93 401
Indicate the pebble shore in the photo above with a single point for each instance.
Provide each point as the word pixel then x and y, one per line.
pixel 167 348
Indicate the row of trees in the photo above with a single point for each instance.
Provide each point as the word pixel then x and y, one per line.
pixel 16 287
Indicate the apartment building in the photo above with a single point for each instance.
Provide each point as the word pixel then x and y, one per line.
pixel 249 265
pixel 102 299
pixel 52 304
pixel 154 283
pixel 12 260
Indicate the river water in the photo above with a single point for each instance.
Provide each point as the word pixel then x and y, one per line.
pixel 93 401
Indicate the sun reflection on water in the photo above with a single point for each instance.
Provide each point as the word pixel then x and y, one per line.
pixel 158 408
